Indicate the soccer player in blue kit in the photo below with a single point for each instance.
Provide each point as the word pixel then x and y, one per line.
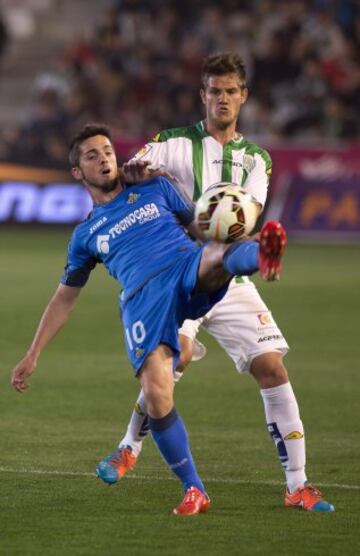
pixel 138 233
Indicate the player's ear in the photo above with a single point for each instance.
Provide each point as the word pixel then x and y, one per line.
pixel 202 95
pixel 244 95
pixel 76 173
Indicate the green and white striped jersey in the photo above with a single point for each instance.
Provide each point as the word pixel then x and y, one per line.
pixel 198 161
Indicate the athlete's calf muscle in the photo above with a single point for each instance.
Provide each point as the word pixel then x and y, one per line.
pixel 211 274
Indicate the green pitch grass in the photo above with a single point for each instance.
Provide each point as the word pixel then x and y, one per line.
pixel 82 393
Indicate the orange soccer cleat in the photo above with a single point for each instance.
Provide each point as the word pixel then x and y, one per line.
pixel 308 498
pixel 113 467
pixel 194 502
pixel 273 241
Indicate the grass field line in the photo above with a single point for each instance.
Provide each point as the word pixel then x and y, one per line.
pixel 151 478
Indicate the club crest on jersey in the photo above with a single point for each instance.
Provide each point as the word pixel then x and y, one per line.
pixel 132 198
pixel 248 162
pixel 139 352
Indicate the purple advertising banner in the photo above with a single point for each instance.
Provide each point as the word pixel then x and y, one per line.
pixel 314 164
pixel 40 196
pixel 319 209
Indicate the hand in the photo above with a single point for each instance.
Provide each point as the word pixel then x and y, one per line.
pixel 135 171
pixel 20 374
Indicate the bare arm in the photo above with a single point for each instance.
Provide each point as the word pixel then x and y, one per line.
pixel 53 319
pixel 137 171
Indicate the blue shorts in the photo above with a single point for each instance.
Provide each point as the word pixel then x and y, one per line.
pixel 154 314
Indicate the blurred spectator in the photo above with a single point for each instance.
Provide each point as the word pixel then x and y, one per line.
pixel 4 35
pixel 20 18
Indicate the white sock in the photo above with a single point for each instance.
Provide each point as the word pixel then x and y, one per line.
pixel 285 426
pixel 138 427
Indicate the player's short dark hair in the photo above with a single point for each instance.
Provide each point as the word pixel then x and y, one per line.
pixel 222 64
pixel 89 130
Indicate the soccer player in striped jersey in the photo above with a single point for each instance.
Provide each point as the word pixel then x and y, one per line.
pixel 198 156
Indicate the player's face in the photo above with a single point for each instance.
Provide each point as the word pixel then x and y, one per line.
pixel 98 166
pixel 223 97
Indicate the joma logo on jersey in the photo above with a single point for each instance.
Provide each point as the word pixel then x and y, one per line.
pixel 98 224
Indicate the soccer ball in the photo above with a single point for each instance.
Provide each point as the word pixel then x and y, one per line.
pixel 225 212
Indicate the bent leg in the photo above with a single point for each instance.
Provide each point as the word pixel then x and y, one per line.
pixel 243 258
pixel 219 262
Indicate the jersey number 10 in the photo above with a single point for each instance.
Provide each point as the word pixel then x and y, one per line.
pixel 136 335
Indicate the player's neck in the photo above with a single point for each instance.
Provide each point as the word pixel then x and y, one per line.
pixel 224 135
pixel 100 197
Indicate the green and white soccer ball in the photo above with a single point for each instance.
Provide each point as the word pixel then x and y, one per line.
pixel 226 213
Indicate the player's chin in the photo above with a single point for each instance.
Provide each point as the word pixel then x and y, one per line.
pixel 108 184
pixel 224 118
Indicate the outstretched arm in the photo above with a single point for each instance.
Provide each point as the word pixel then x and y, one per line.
pixel 53 319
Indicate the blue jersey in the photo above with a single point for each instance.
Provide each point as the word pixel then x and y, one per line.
pixel 136 236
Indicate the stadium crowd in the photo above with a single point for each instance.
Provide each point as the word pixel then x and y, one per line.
pixel 138 70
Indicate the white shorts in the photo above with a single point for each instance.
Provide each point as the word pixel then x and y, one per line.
pixel 242 324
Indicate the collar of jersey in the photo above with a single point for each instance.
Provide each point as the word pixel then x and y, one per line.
pixel 238 138
pixel 108 203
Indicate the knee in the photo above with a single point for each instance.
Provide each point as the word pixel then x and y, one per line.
pixel 158 385
pixel 268 370
pixel 158 399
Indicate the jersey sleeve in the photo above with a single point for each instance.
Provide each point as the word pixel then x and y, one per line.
pixel 79 264
pixel 156 150
pixel 257 182
pixel 178 201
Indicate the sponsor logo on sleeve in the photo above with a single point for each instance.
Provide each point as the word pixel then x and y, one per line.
pixel 143 152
